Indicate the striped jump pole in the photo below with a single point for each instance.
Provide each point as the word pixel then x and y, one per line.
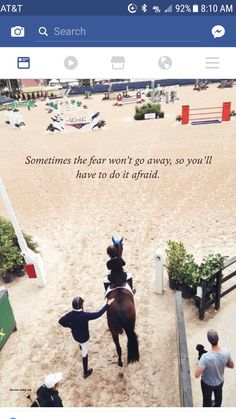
pixel 198 116
pixel 121 100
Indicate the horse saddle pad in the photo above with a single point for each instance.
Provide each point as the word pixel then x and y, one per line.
pixel 125 286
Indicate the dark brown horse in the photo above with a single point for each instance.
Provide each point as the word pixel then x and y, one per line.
pixel 121 317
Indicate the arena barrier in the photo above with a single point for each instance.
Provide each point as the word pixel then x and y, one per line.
pixel 121 100
pixel 201 116
pixel 185 389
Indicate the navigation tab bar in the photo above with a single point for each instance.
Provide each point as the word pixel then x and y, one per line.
pixel 163 63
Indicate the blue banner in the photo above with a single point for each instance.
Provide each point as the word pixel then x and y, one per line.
pixel 84 31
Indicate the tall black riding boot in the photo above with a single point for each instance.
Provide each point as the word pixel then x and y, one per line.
pixel 130 282
pixel 87 372
pixel 106 285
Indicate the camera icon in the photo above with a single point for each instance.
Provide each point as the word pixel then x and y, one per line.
pixel 17 32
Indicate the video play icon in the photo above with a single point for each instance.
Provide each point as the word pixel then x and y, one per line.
pixel 70 62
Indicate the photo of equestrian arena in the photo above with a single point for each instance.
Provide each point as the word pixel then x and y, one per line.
pixel 151 162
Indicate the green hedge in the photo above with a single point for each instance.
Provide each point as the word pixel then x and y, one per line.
pixel 10 254
pixel 148 108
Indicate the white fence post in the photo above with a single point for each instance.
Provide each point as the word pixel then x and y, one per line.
pixel 159 271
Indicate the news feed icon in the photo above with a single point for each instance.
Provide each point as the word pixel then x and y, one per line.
pixel 17 32
pixel 23 63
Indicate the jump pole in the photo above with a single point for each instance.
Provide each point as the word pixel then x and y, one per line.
pixel 222 112
pixel 120 100
pixel 34 263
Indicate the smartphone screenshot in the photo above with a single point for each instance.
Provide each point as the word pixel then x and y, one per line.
pixel 117 208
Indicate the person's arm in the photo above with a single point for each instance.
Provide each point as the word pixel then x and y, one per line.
pixel 230 363
pixel 198 372
pixel 93 316
pixel 65 320
pixel 200 368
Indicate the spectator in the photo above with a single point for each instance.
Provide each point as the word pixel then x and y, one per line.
pixel 211 368
pixel 47 394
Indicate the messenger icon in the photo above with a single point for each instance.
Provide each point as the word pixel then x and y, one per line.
pixel 218 31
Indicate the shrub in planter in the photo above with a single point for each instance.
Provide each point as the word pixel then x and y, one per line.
pixel 189 277
pixel 50 128
pixel 176 257
pixel 140 111
pixel 209 265
pixel 101 123
pixel 185 274
pixel 10 254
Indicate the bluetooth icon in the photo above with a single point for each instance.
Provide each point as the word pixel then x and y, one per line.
pixel 144 8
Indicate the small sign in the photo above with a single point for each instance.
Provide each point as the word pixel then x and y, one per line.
pixel 77 120
pixel 149 116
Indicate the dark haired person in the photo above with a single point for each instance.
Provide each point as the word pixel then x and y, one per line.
pixel 77 320
pixel 211 368
pixel 115 265
pixel 117 276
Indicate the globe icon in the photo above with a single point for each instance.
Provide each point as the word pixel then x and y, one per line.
pixel 165 62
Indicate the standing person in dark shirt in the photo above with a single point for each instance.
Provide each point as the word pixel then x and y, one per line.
pixel 77 320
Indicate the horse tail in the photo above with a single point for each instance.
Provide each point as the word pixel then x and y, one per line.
pixel 132 344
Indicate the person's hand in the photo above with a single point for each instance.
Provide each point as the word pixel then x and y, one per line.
pixel 109 302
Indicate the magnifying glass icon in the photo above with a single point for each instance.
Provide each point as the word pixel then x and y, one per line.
pixel 43 31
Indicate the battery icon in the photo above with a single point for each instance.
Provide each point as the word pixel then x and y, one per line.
pixel 195 8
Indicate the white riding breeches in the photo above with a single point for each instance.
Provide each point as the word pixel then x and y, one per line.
pixel 84 348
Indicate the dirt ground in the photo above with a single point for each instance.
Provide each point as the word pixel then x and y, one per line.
pixel 73 220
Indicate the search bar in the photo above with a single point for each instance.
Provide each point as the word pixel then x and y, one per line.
pixel 59 31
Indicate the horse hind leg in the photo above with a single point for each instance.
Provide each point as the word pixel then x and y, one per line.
pixel 118 349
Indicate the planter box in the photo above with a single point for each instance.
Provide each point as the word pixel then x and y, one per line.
pixel 173 284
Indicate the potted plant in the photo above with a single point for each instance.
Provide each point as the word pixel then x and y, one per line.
pixel 155 108
pixel 11 260
pixel 189 277
pixel 176 257
pixel 186 275
pixel 207 268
